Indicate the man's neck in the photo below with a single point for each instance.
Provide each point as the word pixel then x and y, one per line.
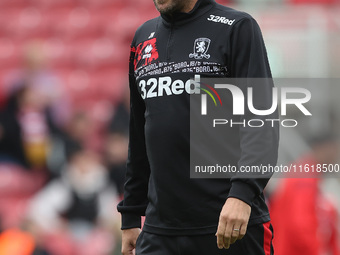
pixel 189 6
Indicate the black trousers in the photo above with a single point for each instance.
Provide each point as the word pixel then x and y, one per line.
pixel 257 241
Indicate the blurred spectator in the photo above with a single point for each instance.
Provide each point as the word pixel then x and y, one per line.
pixel 117 150
pixel 117 143
pixel 77 210
pixel 77 132
pixel 24 129
pixel 120 120
pixel 48 88
pixel 304 218
pixel 11 144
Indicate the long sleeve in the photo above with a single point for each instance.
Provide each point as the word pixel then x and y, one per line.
pixel 259 146
pixel 135 199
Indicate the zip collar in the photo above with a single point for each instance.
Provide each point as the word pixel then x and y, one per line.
pixel 200 8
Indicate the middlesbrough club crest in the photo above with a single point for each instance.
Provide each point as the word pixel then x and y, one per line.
pixel 201 46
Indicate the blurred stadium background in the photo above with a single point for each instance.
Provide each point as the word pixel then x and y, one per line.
pixel 64 117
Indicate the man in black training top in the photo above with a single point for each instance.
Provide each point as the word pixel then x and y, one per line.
pixel 186 215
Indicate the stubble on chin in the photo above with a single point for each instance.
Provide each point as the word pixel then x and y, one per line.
pixel 168 9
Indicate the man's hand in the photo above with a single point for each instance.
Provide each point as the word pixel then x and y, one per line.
pixel 233 222
pixel 129 238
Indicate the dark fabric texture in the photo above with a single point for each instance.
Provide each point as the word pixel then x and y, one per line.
pixel 253 243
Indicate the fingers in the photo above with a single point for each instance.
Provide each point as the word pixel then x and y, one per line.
pixel 233 222
pixel 231 234
pixel 227 236
pixel 235 234
pixel 128 249
pixel 220 234
pixel 243 230
pixel 129 239
pixel 226 233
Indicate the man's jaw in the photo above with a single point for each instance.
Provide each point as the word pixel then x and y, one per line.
pixel 168 7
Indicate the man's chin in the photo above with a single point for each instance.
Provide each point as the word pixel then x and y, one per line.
pixel 164 7
pixel 168 11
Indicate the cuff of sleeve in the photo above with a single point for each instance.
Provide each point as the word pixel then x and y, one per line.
pixel 130 220
pixel 242 191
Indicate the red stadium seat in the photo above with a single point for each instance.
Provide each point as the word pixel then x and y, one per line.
pixel 78 84
pixel 9 19
pixel 98 4
pixel 10 53
pixel 106 53
pixel 59 244
pixel 17 181
pixel 100 53
pixel 77 23
pixel 111 83
pixel 53 4
pixel 126 22
pixel 4 4
pixel 142 6
pixel 57 22
pixel 59 54
pixel 16 188
pixel 23 24
pixel 12 210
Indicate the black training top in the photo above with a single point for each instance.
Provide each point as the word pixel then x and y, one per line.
pixel 166 52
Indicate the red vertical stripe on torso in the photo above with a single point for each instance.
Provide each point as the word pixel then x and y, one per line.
pixel 267 238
